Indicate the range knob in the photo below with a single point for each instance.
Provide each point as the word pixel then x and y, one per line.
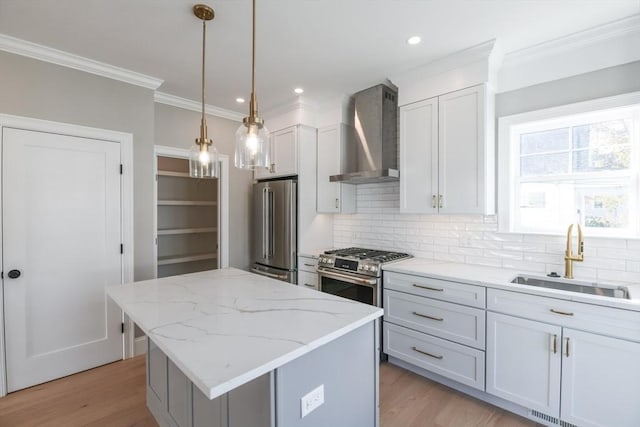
pixel 366 268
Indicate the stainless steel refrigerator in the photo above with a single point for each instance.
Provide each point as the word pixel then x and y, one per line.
pixel 275 225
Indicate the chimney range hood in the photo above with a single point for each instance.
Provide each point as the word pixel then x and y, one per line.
pixel 371 152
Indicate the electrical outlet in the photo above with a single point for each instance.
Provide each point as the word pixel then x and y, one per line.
pixel 311 401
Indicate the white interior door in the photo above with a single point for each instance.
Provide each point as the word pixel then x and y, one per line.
pixel 62 231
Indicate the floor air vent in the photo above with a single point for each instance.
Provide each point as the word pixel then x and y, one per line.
pixel 545 417
pixel 550 419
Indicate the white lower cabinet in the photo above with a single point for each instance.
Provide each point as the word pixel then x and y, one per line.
pixel 425 325
pixel 600 380
pixel 307 274
pixel 570 377
pixel 523 362
pixel 454 361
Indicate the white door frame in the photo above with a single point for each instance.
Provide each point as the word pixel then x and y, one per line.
pixel 223 227
pixel 126 158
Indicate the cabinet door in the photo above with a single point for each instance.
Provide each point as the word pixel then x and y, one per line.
pixel 284 154
pixel 523 362
pixel 461 151
pixel 333 197
pixel 419 157
pixel 308 280
pixel 600 380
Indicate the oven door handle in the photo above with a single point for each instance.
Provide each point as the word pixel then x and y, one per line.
pixel 347 278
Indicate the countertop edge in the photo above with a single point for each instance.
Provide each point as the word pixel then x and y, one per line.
pixel 631 304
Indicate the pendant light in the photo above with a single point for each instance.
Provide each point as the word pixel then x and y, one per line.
pixel 203 157
pixel 253 148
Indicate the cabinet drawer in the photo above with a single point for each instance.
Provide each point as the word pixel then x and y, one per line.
pixel 306 263
pixel 444 290
pixel 464 325
pixel 454 361
pixel 308 280
pixel 609 321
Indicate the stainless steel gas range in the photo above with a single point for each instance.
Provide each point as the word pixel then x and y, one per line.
pixel 355 273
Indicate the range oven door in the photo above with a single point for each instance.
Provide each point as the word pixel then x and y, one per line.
pixel 352 286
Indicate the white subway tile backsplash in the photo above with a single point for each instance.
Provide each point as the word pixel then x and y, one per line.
pixel 536 267
pixel 474 239
pixel 633 244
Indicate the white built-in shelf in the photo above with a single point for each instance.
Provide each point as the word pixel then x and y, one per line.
pixel 170 231
pixel 173 259
pixel 186 203
pixel 174 174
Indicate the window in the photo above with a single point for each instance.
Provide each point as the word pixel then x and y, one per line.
pixel 576 163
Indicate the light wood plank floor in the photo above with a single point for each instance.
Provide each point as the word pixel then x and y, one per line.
pixel 114 396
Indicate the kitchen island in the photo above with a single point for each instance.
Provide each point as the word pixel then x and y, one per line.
pixel 232 348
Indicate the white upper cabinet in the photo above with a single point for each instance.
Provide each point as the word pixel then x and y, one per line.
pixel 333 197
pixel 447 154
pixel 419 157
pixel 284 155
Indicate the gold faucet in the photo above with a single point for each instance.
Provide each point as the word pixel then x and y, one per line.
pixel 569 257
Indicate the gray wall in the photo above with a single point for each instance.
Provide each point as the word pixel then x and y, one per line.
pixel 176 127
pixel 41 90
pixel 596 84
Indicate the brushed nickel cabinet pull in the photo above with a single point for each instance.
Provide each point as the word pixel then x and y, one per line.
pixel 567 347
pixel 433 201
pixel 564 313
pixel 426 316
pixel 337 203
pixel 309 285
pixel 309 265
pixel 428 288
pixel 272 168
pixel 427 354
pixel 440 197
pixel 555 344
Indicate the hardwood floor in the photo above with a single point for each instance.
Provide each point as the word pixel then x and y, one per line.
pixel 409 400
pixel 114 396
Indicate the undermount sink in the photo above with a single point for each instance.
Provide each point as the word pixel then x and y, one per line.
pixel 611 291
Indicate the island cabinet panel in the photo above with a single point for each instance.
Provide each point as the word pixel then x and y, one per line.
pixel 156 375
pixel 347 368
pixel 208 413
pixel 178 396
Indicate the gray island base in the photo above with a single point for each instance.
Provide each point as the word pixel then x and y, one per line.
pixel 228 348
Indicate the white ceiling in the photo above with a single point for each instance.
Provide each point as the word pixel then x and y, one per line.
pixel 328 47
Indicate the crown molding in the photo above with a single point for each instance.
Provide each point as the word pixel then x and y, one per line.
pixel 66 59
pixel 188 104
pixel 612 30
pixel 300 103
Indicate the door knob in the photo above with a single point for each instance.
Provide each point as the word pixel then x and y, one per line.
pixel 14 274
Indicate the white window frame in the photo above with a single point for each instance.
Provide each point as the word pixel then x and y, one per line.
pixel 508 158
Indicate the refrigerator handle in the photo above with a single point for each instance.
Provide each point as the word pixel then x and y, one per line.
pixel 264 222
pixel 270 221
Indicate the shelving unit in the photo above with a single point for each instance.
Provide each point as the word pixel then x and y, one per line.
pixel 187 219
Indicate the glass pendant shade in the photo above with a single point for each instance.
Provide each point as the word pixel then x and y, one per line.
pixel 203 163
pixel 253 148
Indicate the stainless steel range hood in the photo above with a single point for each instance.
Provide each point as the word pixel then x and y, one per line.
pixel 371 152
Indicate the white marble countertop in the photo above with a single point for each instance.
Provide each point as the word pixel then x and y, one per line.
pixel 225 327
pixel 500 278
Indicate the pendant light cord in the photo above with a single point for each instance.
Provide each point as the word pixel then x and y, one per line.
pixel 204 39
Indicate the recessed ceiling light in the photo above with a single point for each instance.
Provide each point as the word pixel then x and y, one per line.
pixel 414 40
pixel 298 90
pixel 239 100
